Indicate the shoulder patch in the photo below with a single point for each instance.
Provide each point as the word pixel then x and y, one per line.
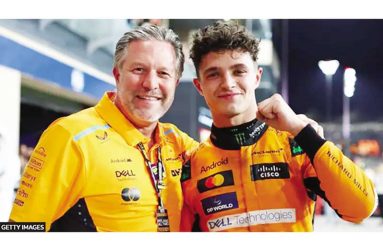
pixel 90 130
pixel 295 148
pixel 186 171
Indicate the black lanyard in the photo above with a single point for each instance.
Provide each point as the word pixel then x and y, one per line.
pixel 162 218
pixel 159 184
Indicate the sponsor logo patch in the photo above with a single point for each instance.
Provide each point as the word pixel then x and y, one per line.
pixel 124 173
pixel 266 171
pixel 176 172
pixel 257 217
pixel 29 176
pixel 19 202
pixel 219 203
pixel 120 160
pixel 295 148
pixel 103 136
pixel 130 194
pixel 41 151
pixel 268 152
pixel 220 179
pixel 35 163
pixel 240 138
pixel 22 193
pixel 26 184
pixel 223 161
pixel 175 158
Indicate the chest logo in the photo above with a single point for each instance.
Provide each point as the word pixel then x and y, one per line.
pixel 266 171
pixel 219 203
pixel 124 173
pixel 130 194
pixel 217 180
pixel 223 161
pixel 102 137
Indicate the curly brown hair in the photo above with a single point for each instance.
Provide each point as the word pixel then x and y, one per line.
pixel 222 36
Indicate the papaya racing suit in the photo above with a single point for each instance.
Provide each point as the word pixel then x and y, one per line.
pixel 87 174
pixel 255 178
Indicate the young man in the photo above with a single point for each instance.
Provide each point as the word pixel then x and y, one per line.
pixel 263 165
pixel 114 167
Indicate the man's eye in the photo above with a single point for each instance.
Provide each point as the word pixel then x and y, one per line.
pixel 212 75
pixel 138 70
pixel 239 72
pixel 164 73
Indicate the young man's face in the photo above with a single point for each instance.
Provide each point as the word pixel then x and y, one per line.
pixel 146 81
pixel 228 81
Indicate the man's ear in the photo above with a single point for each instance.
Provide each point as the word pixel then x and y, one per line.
pixel 116 74
pixel 197 85
pixel 258 76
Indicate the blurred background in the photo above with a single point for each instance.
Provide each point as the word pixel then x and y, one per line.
pixel 330 70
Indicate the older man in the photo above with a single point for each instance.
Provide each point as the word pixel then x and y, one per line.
pixel 114 167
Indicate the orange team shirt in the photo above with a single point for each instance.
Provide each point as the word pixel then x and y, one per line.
pixel 268 182
pixel 87 174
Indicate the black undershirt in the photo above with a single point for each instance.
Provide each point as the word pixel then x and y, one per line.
pixel 232 138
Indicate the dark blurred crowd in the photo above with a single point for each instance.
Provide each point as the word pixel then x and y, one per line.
pixel 25 153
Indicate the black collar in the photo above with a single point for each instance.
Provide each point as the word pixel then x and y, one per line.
pixel 232 138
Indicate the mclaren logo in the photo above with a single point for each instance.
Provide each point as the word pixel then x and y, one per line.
pixel 102 137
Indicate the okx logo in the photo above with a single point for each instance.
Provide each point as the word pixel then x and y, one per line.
pixel 220 179
pixel 130 194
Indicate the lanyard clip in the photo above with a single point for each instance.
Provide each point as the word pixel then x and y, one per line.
pixel 161 185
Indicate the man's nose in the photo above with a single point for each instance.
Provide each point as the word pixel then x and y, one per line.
pixel 151 81
pixel 228 81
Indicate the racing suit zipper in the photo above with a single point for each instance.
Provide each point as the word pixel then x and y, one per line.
pixel 245 176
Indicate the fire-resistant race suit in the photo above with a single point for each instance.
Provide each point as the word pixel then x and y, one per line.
pixel 87 174
pixel 255 178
